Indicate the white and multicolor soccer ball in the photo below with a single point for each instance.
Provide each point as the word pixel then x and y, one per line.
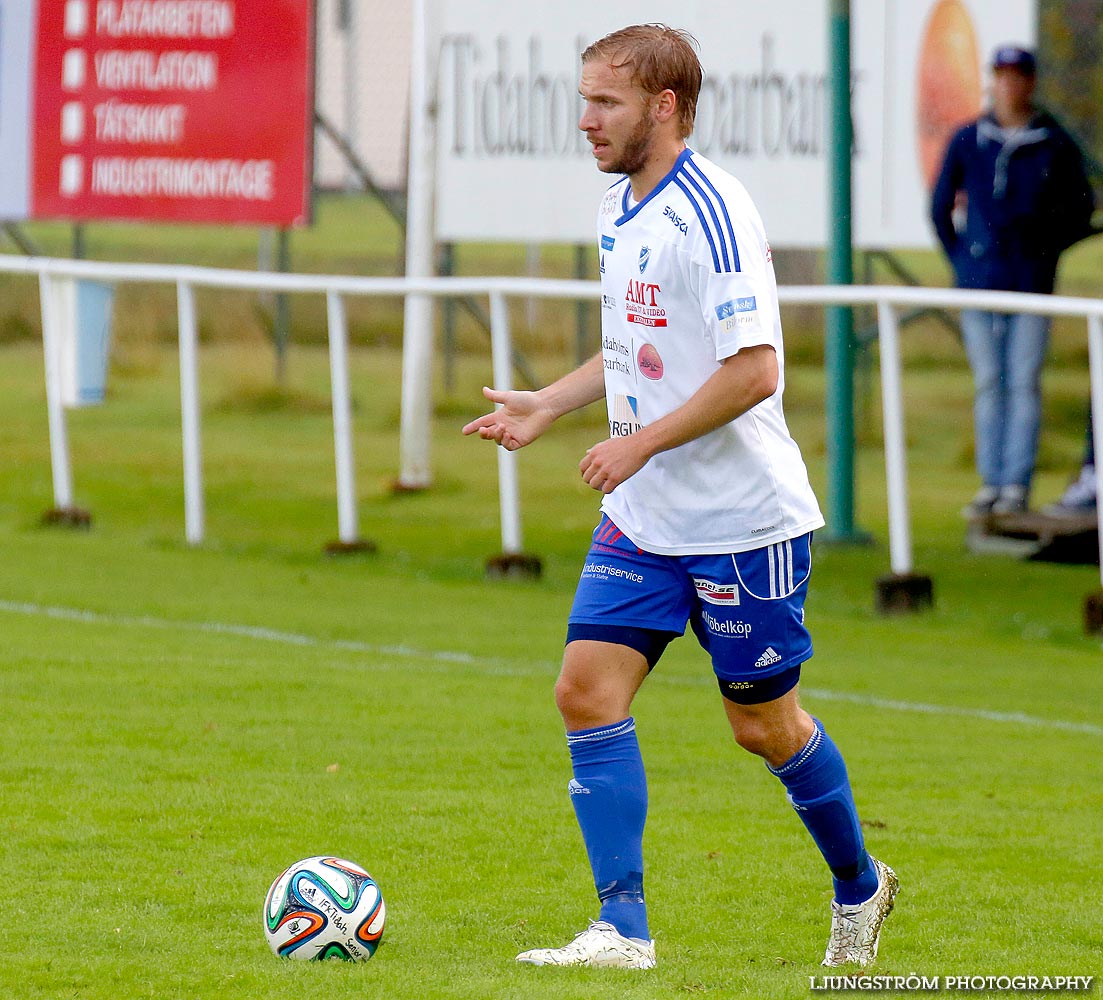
pixel 324 907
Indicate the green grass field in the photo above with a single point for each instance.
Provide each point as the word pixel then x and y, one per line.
pixel 180 724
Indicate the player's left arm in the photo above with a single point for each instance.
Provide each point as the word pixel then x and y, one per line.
pixel 742 381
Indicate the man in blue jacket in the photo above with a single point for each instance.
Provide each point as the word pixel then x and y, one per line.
pixel 1011 196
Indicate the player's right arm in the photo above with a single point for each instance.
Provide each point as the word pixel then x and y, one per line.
pixel 523 416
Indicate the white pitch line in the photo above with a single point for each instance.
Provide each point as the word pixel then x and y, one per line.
pixel 503 667
pixel 973 713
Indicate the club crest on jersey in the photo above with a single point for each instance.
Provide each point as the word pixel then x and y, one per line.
pixel 649 363
pixel 645 258
pixel 717 593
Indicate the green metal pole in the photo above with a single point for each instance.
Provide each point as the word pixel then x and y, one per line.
pixel 282 321
pixel 839 352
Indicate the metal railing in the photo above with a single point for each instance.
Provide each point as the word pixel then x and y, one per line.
pixel 887 300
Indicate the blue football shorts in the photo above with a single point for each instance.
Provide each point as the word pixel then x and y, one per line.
pixel 746 608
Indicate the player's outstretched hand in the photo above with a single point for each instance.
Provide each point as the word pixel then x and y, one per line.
pixel 519 421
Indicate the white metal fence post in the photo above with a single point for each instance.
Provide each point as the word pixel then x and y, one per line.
pixel 60 468
pixel 896 466
pixel 337 321
pixel 415 467
pixel 194 527
pixel 508 494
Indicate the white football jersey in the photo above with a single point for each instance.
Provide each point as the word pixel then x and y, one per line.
pixel 687 281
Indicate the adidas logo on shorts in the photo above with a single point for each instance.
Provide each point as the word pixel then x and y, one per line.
pixel 770 656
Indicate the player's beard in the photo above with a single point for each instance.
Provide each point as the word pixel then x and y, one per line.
pixel 636 148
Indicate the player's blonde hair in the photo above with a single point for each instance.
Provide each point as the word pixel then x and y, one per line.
pixel 659 58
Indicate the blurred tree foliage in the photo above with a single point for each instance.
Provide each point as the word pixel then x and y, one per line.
pixel 1070 70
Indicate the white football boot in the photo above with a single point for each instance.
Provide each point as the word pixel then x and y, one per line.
pixel 598 946
pixel 856 930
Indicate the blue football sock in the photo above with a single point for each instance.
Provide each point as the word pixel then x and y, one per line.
pixel 609 794
pixel 819 790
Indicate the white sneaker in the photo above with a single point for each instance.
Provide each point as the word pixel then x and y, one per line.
pixel 856 930
pixel 598 945
pixel 981 504
pixel 1078 500
pixel 1012 500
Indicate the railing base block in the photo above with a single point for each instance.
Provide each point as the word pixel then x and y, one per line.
pixel 68 517
pixel 513 565
pixel 904 593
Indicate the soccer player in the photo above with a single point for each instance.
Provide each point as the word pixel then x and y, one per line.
pixel 707 512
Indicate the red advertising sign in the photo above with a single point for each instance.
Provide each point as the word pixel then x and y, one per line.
pixel 173 110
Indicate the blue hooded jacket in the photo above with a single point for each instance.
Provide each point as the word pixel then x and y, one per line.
pixel 1027 200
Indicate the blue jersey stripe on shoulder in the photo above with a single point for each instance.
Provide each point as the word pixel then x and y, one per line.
pixel 690 164
pixel 721 236
pixel 704 222
pixel 702 197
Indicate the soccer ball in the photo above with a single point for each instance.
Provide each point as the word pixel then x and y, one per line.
pixel 324 907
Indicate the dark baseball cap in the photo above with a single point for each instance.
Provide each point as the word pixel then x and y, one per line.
pixel 1014 57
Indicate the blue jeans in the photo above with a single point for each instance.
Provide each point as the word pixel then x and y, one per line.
pixel 1006 353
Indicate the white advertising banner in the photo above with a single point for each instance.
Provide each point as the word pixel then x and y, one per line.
pixel 511 163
